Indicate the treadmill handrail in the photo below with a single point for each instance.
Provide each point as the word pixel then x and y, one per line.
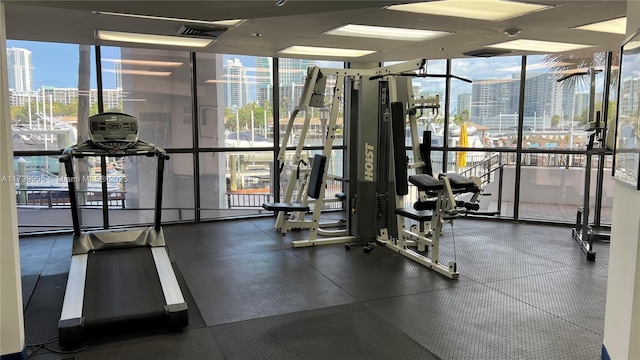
pixel 142 148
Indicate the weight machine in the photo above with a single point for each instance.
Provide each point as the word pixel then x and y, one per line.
pixel 308 182
pixel 585 233
pixel 443 206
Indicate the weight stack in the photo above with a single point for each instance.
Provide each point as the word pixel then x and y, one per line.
pixel 382 211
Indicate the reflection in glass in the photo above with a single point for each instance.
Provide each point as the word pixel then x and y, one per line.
pixel 154 86
pixel 235 183
pixel 235 101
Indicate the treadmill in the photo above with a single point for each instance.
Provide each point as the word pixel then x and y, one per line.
pixel 120 279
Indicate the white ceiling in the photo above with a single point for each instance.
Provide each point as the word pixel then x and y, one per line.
pixel 302 22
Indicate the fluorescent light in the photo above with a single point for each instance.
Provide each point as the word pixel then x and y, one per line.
pixel 389 33
pixel 538 45
pixel 231 22
pixel 139 72
pixel 613 26
pixel 146 62
pixel 151 39
pixel 492 10
pixel 324 51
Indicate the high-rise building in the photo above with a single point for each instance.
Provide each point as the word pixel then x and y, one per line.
pixel 20 69
pixel 236 94
pixel 117 70
pixel 264 80
pixel 629 104
pixel 490 98
pixel 292 74
pixel 464 102
pixel 492 101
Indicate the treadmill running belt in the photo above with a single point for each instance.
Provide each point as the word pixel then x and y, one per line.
pixel 122 285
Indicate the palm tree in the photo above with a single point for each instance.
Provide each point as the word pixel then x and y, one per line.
pixel 561 65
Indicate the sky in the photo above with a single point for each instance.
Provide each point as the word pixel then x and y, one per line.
pixel 56 64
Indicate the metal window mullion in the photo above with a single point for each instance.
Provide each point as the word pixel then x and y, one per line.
pixel 195 136
pixel 447 105
pixel 516 195
pixel 276 127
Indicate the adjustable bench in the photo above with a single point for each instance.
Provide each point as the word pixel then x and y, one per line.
pixel 313 190
pixel 429 185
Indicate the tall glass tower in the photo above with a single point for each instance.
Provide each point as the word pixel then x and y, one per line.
pixel 264 80
pixel 236 94
pixel 20 69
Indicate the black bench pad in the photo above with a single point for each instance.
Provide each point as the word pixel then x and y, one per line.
pixel 426 182
pixel 287 207
pixel 341 196
pixel 413 214
pixel 459 182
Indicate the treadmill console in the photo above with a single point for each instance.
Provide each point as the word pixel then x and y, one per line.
pixel 113 131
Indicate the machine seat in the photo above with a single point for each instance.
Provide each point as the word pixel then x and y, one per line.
pixel 286 207
pixel 341 196
pixel 460 183
pixel 426 182
pixel 413 214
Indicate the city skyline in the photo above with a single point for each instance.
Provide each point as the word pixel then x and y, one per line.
pixel 494 89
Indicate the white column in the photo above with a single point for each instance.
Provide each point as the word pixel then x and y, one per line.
pixel 11 317
pixel 622 315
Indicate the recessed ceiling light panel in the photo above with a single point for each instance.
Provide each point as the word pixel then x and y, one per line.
pixel 146 62
pixel 538 45
pixel 324 51
pixel 492 10
pixel 151 39
pixel 230 22
pixel 613 26
pixel 383 32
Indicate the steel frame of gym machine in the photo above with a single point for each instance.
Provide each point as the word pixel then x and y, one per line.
pixel 367 146
pixel 292 210
pixel 73 322
pixel 584 233
pixel 426 234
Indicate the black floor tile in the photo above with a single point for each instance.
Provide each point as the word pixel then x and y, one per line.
pixel 195 318
pixel 549 242
pixel 378 274
pixel 574 295
pixel 28 286
pixel 187 242
pixel 241 287
pixel 476 322
pixel 340 332
pixel 483 257
pixel 525 292
pixel 43 311
pixel 34 253
pixel 59 260
pixel 184 345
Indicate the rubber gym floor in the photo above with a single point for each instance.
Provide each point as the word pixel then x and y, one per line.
pixel 525 292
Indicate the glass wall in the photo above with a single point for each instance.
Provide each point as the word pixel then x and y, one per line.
pixel 235 111
pixel 154 86
pixel 292 74
pixel 223 150
pixel 44 98
pixel 556 122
